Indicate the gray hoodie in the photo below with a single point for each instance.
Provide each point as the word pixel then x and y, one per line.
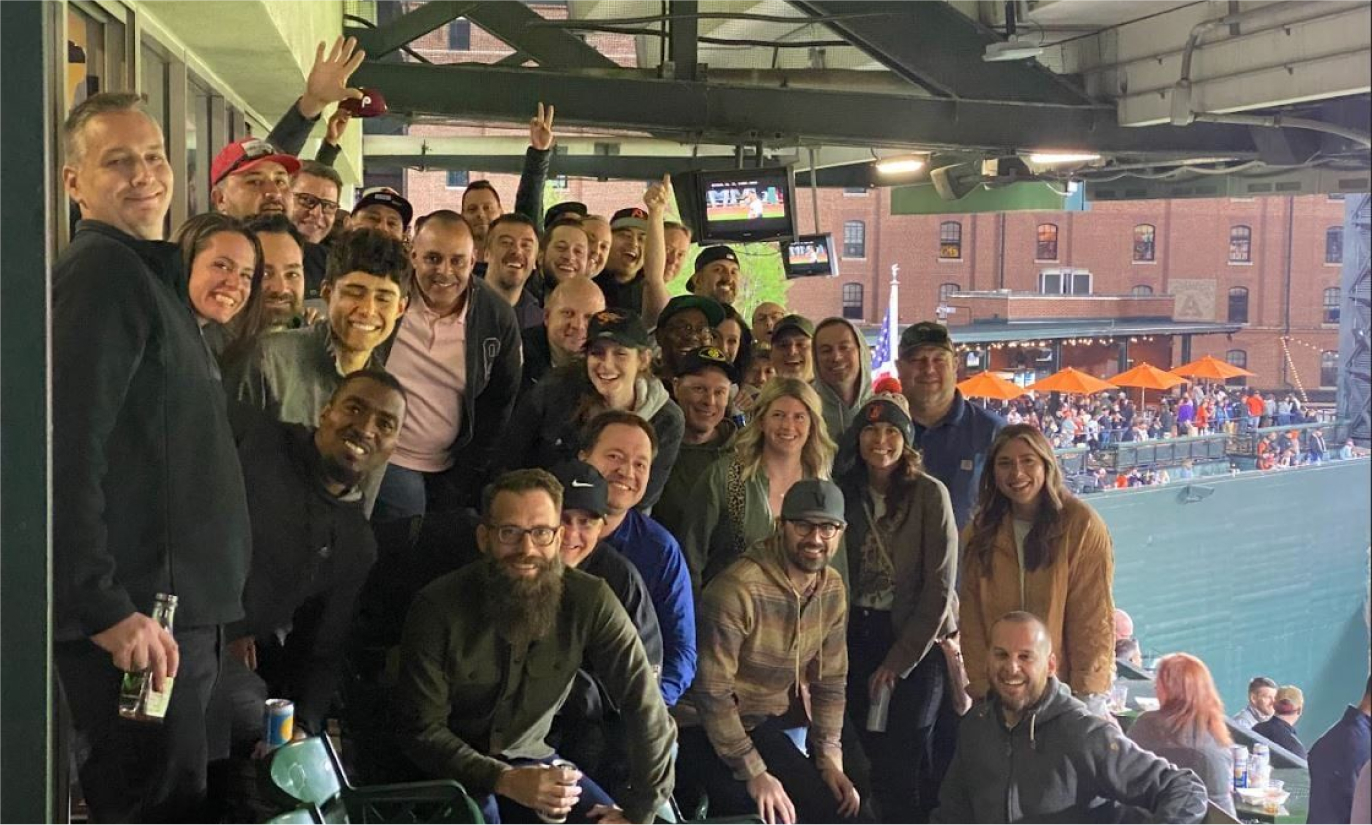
pixel 1061 763
pixel 837 415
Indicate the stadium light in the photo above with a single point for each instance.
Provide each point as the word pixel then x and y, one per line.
pixel 900 165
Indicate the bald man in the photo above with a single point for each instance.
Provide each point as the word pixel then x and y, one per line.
pixel 1032 752
pixel 562 335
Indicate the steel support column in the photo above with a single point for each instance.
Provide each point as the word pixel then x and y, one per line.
pixel 683 43
pixel 1355 319
pixel 520 27
pixel 26 751
pixel 389 37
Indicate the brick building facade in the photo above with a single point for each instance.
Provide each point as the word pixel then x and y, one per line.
pixel 1279 277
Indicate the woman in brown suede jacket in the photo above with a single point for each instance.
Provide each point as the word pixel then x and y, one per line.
pixel 1034 546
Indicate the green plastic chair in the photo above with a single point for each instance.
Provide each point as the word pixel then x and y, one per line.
pixel 309 774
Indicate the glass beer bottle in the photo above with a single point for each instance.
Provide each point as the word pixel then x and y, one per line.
pixel 137 699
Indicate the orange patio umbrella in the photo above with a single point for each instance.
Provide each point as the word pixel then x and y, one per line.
pixel 1211 368
pixel 990 385
pixel 1071 380
pixel 1147 377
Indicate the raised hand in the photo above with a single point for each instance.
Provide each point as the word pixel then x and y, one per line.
pixel 659 195
pixel 541 128
pixel 328 79
pixel 338 122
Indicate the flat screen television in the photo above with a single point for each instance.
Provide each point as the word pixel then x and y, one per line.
pixel 743 205
pixel 809 256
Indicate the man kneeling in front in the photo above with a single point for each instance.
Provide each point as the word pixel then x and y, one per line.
pixel 1032 753
pixel 489 652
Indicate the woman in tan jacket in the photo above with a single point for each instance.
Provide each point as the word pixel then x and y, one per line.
pixel 1034 546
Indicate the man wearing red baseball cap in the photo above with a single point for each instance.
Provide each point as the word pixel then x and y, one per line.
pixel 250 178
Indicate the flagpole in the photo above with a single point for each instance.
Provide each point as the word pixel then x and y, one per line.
pixel 893 311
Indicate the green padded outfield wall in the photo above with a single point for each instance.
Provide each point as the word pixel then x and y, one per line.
pixel 1268 574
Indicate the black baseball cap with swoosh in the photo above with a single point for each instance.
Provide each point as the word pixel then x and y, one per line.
pixel 583 488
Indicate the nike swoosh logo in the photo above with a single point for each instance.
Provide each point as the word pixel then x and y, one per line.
pixel 581 484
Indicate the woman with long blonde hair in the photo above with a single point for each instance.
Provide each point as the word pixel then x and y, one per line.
pixel 1188 729
pixel 737 499
pixel 1033 546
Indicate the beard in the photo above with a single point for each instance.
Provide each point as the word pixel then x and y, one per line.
pixel 525 607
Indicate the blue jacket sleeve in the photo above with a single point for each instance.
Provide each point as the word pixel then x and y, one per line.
pixel 679 627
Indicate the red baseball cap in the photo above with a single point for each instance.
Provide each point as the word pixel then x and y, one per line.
pixel 371 104
pixel 248 153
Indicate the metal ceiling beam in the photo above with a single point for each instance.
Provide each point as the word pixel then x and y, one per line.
pixel 548 46
pixel 628 167
pixel 722 113
pixel 935 46
pixel 409 27
pixel 684 27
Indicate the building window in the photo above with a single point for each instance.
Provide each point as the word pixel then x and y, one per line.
pixel 1141 289
pixel 950 241
pixel 1046 248
pixel 1240 245
pixel 1238 305
pixel 1329 369
pixel 460 36
pixel 1336 196
pixel 852 302
pixel 1065 282
pixel 1332 299
pixel 457 178
pixel 559 182
pixel 1333 245
pixel 1145 235
pixel 854 241
pixel 855 191
pixel 1237 358
pixel 946 290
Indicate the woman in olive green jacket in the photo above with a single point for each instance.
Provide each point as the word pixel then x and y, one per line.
pixel 734 500
pixel 903 553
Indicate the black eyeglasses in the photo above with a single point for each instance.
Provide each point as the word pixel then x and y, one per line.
pixel 826 529
pixel 509 535
pixel 309 202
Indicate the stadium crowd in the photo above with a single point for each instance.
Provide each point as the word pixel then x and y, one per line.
pixel 472 485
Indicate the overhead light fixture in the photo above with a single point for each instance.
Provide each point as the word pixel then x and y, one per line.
pixel 900 165
pixel 1050 158
pixel 1002 52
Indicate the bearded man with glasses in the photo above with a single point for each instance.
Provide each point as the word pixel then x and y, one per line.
pixel 772 630
pixel 489 652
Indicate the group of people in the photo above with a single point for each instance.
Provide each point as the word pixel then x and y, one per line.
pixel 534 510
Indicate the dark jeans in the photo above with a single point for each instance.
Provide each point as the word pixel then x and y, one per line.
pixel 406 494
pixel 499 809
pixel 906 772
pixel 142 771
pixel 776 743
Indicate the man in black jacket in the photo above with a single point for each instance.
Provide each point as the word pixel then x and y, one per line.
pixel 311 551
pixel 148 495
pixel 1032 753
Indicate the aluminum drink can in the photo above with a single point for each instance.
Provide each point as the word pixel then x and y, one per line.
pixel 1240 766
pixel 879 711
pixel 279 722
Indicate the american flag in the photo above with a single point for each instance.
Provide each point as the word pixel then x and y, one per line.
pixel 884 356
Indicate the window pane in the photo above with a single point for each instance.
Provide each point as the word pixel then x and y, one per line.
pixel 1329 369
pixel 1333 245
pixel 85 56
pixel 1046 248
pixel 155 85
pixel 1142 289
pixel 950 240
pixel 1237 358
pixel 1332 300
pixel 460 36
pixel 1238 305
pixel 198 148
pixel 854 239
pixel 1081 283
pixel 1144 235
pixel 1050 283
pixel 852 302
pixel 1240 245
pixel 946 290
pixel 457 178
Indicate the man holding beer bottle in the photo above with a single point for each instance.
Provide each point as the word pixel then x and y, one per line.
pixel 148 498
